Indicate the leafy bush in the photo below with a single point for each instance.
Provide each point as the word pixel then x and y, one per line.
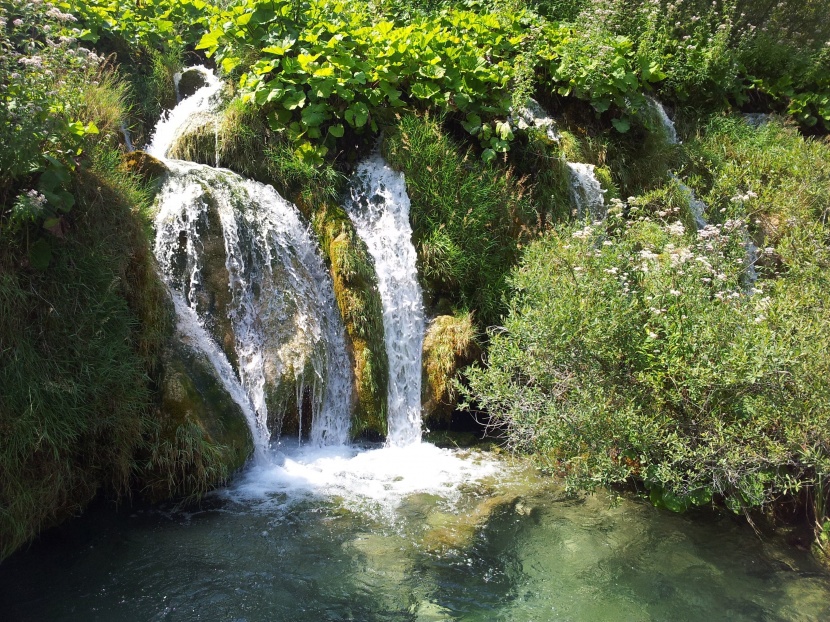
pixel 319 67
pixel 634 349
pixel 42 75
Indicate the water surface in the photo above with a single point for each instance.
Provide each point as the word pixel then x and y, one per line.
pixel 410 534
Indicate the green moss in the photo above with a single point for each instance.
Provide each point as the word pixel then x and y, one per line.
pixel 144 165
pixel 355 288
pixel 202 435
pixel 75 402
pixel 449 344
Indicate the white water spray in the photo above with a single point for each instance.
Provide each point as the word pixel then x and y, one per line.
pixel 379 209
pixel 532 115
pixel 586 191
pixel 169 128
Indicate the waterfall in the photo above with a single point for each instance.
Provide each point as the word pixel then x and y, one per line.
pixel 171 124
pixel 586 191
pixel 668 125
pixel 379 208
pixel 125 132
pixel 191 332
pixel 532 115
pixel 239 257
pixel 696 206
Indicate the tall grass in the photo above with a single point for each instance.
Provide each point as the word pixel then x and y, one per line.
pixel 469 218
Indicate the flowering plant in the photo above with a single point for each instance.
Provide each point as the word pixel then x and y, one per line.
pixel 42 71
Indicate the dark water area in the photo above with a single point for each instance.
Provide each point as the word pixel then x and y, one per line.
pixel 505 545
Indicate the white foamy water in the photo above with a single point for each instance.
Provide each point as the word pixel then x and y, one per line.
pixel 668 125
pixel 532 115
pixel 379 208
pixel 239 255
pixel 586 191
pixel 172 122
pixel 372 480
pixel 285 321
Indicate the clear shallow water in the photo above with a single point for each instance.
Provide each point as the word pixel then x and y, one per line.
pixel 324 535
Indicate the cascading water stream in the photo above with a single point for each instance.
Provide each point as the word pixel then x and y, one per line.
pixel 239 256
pixel 379 208
pixel 696 206
pixel 171 124
pixel 586 191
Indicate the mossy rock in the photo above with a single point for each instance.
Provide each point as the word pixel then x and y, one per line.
pixel 190 81
pixel 203 435
pixel 145 165
pixel 457 531
pixel 449 344
pixel 197 141
pixel 358 298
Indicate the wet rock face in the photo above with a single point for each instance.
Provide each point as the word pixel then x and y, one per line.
pixel 356 292
pixel 204 430
pixel 190 81
pixel 450 344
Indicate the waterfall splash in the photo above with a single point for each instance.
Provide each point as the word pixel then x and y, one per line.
pixel 532 115
pixel 379 208
pixel 239 256
pixel 284 325
pixel 586 191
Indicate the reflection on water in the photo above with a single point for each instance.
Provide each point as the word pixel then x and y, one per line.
pixel 375 535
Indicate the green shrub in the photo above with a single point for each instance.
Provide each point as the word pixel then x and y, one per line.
pixel 635 350
pixel 74 395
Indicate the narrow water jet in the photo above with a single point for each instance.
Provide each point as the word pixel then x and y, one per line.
pixel 379 208
pixel 586 191
pixel 191 332
pixel 668 125
pixel 128 143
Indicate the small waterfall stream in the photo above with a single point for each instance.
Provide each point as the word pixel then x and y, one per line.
pixel 698 207
pixel 239 256
pixel 379 208
pixel 586 191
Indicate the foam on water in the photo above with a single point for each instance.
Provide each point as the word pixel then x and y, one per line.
pixel 373 480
